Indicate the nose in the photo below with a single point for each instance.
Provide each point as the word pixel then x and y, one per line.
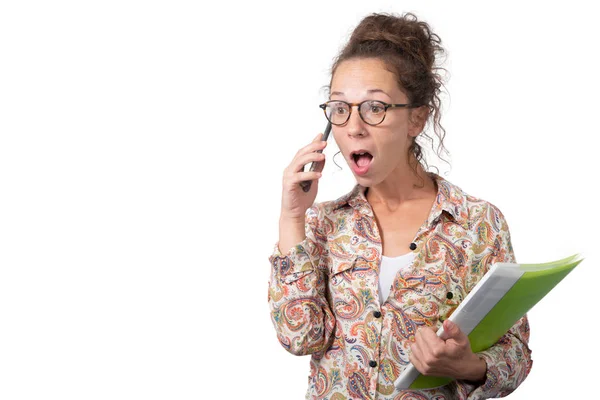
pixel 355 125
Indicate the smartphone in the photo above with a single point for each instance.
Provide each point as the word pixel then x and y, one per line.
pixel 313 165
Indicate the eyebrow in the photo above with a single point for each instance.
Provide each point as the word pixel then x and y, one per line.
pixel 368 91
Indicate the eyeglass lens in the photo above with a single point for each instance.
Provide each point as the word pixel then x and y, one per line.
pixel 372 112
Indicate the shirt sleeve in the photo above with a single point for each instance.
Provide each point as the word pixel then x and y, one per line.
pixel 509 360
pixel 299 308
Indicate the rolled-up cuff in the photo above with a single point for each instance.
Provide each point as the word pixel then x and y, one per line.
pixel 296 263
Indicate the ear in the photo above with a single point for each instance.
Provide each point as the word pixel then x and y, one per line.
pixel 417 119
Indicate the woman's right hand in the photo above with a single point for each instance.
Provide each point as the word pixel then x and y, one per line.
pixel 294 201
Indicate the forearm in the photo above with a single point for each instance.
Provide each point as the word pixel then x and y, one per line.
pixel 299 310
pixel 304 325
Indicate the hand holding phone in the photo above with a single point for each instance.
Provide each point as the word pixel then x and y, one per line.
pixel 313 165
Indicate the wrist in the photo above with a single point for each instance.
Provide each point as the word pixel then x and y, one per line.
pixel 291 226
pixel 291 232
pixel 291 219
pixel 477 370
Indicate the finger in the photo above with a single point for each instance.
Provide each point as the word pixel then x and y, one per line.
pixel 302 176
pixel 416 353
pixel 315 145
pixel 419 339
pixel 416 358
pixel 298 163
pixel 429 336
pixel 452 331
pixel 320 165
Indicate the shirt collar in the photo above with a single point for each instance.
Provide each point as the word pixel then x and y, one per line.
pixel 450 198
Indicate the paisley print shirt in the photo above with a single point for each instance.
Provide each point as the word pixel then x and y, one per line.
pixel 324 301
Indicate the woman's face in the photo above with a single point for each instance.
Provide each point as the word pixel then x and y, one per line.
pixel 357 80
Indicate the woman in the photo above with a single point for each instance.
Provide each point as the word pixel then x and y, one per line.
pixel 362 283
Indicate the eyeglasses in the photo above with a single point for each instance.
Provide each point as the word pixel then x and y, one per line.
pixel 371 111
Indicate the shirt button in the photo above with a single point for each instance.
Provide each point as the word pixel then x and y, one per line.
pixel 372 364
pixel 413 246
pixel 449 295
pixel 376 314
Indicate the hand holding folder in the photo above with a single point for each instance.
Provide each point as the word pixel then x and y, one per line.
pixel 506 293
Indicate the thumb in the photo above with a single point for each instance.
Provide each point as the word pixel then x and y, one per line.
pixel 451 330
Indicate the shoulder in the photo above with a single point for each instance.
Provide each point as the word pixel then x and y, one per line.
pixel 485 224
pixel 487 213
pixel 339 205
pixel 481 210
pixel 473 211
pixel 323 213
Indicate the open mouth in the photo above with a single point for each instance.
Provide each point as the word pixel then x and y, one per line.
pixel 362 159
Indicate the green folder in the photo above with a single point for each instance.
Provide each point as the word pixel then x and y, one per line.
pixel 505 293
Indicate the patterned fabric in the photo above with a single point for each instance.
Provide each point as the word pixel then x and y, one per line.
pixel 323 296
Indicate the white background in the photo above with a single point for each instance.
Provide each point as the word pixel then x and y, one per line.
pixel 142 146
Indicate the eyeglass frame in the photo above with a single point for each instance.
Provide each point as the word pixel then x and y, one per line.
pixel 351 106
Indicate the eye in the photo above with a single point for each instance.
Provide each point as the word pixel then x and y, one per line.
pixel 338 108
pixel 376 108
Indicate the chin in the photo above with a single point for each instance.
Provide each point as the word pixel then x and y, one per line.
pixel 371 179
pixel 364 181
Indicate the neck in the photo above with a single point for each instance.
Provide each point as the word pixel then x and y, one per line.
pixel 402 186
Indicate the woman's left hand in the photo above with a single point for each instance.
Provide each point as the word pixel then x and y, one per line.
pixel 448 355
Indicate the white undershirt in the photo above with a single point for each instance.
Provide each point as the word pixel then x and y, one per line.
pixel 388 270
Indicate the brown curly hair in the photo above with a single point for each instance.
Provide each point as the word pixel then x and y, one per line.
pixel 409 49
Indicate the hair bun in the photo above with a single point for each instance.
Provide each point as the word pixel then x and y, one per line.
pixel 404 34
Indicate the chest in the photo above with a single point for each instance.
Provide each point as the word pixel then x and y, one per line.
pixel 430 288
pixel 398 229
